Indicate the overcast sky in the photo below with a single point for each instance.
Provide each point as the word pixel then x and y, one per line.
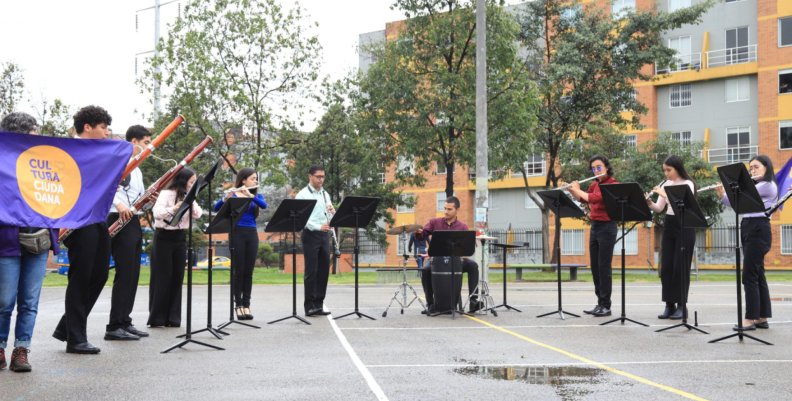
pixel 84 51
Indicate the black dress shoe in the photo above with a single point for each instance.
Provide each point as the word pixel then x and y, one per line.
pixel 592 310
pixel 667 312
pixel 762 325
pixel 120 334
pixel 314 312
pixel 59 335
pixel 323 312
pixel 677 315
pixel 429 310
pixel 135 331
pixel 603 311
pixel 745 328
pixel 173 324
pixel 82 348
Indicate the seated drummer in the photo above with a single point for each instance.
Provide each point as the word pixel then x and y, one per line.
pixel 449 223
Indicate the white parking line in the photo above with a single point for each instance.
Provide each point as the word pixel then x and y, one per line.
pixel 372 383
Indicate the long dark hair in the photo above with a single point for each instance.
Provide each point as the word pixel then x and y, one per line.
pixel 769 175
pixel 604 161
pixel 243 175
pixel 677 164
pixel 179 183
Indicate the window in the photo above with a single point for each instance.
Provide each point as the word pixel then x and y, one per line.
pixel 630 244
pixel 382 178
pixel 684 51
pixel 785 134
pixel 441 168
pixel 785 81
pixel 682 137
pixel 529 203
pixel 674 5
pixel 784 31
pixel 572 242
pixel 410 199
pixel 786 239
pixel 441 198
pixel 681 95
pixel 405 166
pixel 534 165
pixel 632 141
pixel 739 141
pixel 738 90
pixel 737 45
pixel 620 7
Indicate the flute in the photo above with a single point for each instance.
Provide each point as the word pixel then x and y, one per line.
pixel 565 186
pixel 649 194
pixel 720 184
pixel 228 191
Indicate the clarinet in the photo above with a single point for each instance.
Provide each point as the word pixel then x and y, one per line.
pixel 336 245
pixel 138 160
pixel 146 201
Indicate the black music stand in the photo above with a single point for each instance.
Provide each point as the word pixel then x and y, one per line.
pixel 743 198
pixel 290 217
pixel 355 212
pixel 561 206
pixel 684 205
pixel 206 182
pixel 187 207
pixel 504 304
pixel 225 222
pixel 453 244
pixel 625 202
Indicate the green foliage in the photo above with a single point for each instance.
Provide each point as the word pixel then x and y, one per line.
pixel 418 99
pixel 237 65
pixel 55 117
pixel 585 64
pixel 12 86
pixel 267 255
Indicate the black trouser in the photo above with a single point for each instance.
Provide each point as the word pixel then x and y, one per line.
pixel 89 260
pixel 126 249
pixel 245 251
pixel 468 266
pixel 602 238
pixel 674 266
pixel 756 241
pixel 168 259
pixel 316 254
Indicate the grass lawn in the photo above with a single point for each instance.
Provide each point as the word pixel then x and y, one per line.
pixel 271 275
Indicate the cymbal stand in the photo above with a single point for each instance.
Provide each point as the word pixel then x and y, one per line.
pixel 482 292
pixel 401 291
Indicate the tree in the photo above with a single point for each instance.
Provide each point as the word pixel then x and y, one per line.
pixel 237 64
pixel 55 118
pixel 418 99
pixel 12 86
pixel 585 63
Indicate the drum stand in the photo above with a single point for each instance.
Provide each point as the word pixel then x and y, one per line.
pixel 482 289
pixel 401 291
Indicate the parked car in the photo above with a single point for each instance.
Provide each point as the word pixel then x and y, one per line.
pixel 218 263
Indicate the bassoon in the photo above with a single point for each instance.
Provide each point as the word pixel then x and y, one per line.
pixel 146 201
pixel 137 160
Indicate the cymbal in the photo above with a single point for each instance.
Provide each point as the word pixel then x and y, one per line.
pixel 487 237
pixel 407 228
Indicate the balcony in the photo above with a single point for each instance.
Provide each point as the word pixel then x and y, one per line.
pixel 681 63
pixel 732 154
pixel 731 56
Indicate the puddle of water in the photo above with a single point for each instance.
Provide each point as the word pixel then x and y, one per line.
pixel 571 383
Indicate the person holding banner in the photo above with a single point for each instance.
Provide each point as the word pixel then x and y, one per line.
pixel 22 268
pixel 126 246
pixel 245 239
pixel 89 254
pixel 169 255
pixel 603 233
pixel 757 238
pixel 674 266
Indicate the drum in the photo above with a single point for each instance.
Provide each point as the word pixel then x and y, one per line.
pixel 444 290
